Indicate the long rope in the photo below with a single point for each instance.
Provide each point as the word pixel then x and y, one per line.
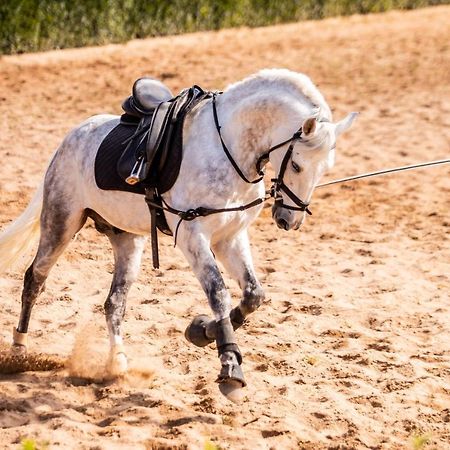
pixel 385 171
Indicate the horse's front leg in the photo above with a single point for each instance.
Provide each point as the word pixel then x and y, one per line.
pixel 196 248
pixel 236 257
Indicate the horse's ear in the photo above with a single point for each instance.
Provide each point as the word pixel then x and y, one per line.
pixel 309 126
pixel 344 124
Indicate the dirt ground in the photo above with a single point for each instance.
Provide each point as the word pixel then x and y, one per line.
pixel 351 349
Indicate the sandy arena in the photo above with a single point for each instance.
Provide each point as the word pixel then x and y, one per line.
pixel 351 349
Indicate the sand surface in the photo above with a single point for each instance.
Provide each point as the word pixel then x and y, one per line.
pixel 351 349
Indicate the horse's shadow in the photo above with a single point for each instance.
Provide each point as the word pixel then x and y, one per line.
pixel 54 398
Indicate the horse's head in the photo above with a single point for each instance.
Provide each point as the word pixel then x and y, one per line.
pixel 300 168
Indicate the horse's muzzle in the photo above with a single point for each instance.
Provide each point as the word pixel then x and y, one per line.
pixel 284 219
pixel 283 224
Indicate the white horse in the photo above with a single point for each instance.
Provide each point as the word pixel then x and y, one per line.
pixel 271 107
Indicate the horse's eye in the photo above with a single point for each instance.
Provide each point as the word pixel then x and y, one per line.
pixel 296 167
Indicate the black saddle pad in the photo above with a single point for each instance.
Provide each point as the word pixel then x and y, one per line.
pixel 109 152
pixel 163 173
pixel 165 161
pixel 107 177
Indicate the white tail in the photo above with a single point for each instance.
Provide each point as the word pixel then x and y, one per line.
pixel 19 237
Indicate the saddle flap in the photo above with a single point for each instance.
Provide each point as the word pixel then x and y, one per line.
pixel 158 127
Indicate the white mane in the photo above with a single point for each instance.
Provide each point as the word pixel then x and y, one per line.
pixel 284 80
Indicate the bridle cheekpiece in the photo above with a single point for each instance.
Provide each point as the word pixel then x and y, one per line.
pixel 278 185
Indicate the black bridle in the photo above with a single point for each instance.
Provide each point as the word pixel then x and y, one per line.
pixel 155 201
pixel 278 185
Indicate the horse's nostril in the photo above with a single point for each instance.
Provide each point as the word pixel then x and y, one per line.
pixel 283 224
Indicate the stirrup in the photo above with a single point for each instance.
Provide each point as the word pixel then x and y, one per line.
pixel 135 175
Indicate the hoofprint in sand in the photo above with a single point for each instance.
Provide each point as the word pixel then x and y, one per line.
pixel 351 347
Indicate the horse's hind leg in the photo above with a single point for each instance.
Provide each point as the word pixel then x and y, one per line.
pixel 58 226
pixel 128 250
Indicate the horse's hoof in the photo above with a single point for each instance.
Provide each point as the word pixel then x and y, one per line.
pixel 20 341
pixel 117 365
pixel 18 349
pixel 231 378
pixel 196 331
pixel 232 390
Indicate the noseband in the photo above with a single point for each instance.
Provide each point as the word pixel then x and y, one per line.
pixel 278 185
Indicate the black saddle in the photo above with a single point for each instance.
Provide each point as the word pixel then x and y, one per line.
pixel 143 153
pixel 158 136
pixel 149 137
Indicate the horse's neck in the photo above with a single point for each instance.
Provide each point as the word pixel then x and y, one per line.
pixel 252 124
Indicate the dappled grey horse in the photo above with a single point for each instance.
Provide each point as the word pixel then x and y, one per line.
pixel 275 115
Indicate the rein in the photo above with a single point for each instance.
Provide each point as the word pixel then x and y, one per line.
pixel 201 211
